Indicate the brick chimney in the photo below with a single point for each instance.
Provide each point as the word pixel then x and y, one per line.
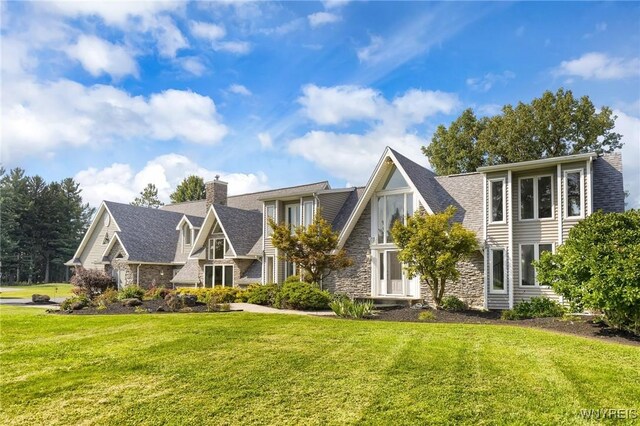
pixel 216 192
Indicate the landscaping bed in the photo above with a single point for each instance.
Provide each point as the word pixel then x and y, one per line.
pixel 146 306
pixel 586 326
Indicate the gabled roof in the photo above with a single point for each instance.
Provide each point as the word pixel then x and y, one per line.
pixel 188 274
pixel 347 208
pixel 147 234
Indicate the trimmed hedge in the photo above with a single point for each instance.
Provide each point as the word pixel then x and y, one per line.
pixel 537 307
pixel 302 296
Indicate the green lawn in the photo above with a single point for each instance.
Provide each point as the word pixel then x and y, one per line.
pixel 25 292
pixel 232 368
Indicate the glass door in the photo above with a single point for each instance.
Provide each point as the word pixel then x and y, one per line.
pixel 390 269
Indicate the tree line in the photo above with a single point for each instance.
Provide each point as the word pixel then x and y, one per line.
pixel 41 226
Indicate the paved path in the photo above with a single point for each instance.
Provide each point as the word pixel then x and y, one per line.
pixel 28 303
pixel 248 307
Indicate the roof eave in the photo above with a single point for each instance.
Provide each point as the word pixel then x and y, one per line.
pixel 524 165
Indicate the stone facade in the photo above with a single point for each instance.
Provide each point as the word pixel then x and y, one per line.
pixel 355 280
pixel 216 192
pixel 161 274
pixel 469 287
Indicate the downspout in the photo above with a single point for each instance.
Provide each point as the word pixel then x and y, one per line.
pixel 138 275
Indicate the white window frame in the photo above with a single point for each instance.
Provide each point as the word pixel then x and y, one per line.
pixel 268 230
pixel 505 283
pixel 212 248
pixel 535 198
pixel 224 273
pixel 271 279
pixel 536 256
pixel 304 205
pixel 504 201
pixel 286 215
pixel 566 194
pixel 295 269
pixel 186 229
pixel 407 192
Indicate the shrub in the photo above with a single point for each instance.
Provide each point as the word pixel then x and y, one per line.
pixel 537 307
pixel 220 294
pixel 302 296
pixel 598 267
pixel 292 279
pixel 427 316
pixel 156 292
pixel 261 294
pixel 346 308
pixel 75 302
pixel 131 292
pixel 110 295
pixel 173 302
pixel 452 303
pixel 91 282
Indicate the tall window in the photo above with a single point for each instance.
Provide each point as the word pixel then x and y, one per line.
pixel 216 248
pixel 573 192
pixel 529 253
pixel 496 196
pixel 536 197
pixel 223 275
pixel 186 231
pixel 271 214
pixel 292 215
pixel 394 202
pixel 270 272
pixel 496 257
pixel 290 269
pixel 307 213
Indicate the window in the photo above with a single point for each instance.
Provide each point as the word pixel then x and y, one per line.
pixel 497 260
pixel 222 275
pixel 217 248
pixel 271 214
pixel 290 269
pixel 107 219
pixel 208 275
pixel 270 273
pixel 496 196
pixel 391 208
pixel 395 181
pixel 574 198
pixel 536 197
pixel 307 213
pixel 186 234
pixel 529 253
pixel 292 216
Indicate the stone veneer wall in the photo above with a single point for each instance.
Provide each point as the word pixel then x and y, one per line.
pixel 468 288
pixel 355 280
pixel 162 275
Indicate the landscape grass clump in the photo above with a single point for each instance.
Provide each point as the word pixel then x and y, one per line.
pixel 426 316
pixel 537 307
pixel 453 304
pixel 131 292
pixel 346 308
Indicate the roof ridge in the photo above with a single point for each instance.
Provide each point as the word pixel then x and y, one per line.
pixel 279 189
pixel 404 157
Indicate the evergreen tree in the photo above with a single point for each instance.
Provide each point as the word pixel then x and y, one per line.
pixel 148 197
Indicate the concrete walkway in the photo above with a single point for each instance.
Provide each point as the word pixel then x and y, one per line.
pixel 248 307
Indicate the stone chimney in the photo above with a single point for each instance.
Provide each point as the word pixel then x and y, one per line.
pixel 216 192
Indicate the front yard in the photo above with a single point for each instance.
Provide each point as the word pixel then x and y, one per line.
pixel 24 292
pixel 222 368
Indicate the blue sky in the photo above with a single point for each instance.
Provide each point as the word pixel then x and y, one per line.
pixel 272 94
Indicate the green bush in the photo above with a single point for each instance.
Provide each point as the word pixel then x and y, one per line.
pixel 452 303
pixel 131 292
pixel 75 302
pixel 301 296
pixel 261 294
pixel 157 292
pixel 218 294
pixel 346 308
pixel 426 316
pixel 537 307
pixel 110 295
pixel 598 267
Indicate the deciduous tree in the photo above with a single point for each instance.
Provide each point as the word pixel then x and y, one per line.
pixel 190 189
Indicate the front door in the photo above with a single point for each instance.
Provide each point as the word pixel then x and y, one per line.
pixel 391 280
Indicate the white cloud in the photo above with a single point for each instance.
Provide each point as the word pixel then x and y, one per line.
pixel 120 183
pixel 239 89
pixel 207 30
pixel 322 18
pixel 193 65
pixel 169 37
pixel 629 127
pixel 265 140
pixel 334 4
pixel 99 56
pixel 40 117
pixel 236 47
pixel 351 156
pixel 113 13
pixel 599 66
pixel 486 82
pixel 373 52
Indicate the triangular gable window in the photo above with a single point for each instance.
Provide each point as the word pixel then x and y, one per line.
pixel 395 180
pixel 217 229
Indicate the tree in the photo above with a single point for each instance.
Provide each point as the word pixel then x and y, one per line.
pixel 148 197
pixel 550 126
pixel 598 267
pixel 190 189
pixel 431 245
pixel 312 248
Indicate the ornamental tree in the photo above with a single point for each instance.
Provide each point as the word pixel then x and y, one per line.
pixel 313 248
pixel 598 267
pixel 431 245
pixel 192 188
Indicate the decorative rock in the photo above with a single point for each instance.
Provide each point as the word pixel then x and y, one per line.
pixel 160 309
pixel 131 302
pixel 40 298
pixel 189 299
pixel 77 306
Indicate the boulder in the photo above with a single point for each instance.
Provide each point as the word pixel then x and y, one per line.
pixel 160 309
pixel 131 302
pixel 40 298
pixel 76 306
pixel 189 299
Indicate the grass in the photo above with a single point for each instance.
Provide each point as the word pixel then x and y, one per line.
pixel 232 368
pixel 25 292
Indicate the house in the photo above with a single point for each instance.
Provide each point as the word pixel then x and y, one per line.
pixel 517 210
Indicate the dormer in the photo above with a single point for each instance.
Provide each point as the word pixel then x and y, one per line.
pixel 187 234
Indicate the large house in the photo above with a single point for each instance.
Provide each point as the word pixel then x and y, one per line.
pixel 517 210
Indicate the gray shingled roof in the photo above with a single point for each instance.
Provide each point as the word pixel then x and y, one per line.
pixel 190 208
pixel 188 274
pixel 243 227
pixel 252 275
pixel 148 234
pixel 347 208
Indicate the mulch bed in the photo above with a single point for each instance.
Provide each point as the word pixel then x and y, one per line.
pixel 150 306
pixel 586 326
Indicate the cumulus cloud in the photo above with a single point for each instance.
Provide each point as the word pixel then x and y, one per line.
pixel 353 155
pixel 629 127
pixel 99 56
pixel 113 13
pixel 121 183
pixel 322 18
pixel 486 82
pixel 265 140
pixel 193 65
pixel 235 47
pixel 40 117
pixel 599 66
pixel 239 89
pixel 206 30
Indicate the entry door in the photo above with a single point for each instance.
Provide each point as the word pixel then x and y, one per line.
pixel 391 281
pixel 122 278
